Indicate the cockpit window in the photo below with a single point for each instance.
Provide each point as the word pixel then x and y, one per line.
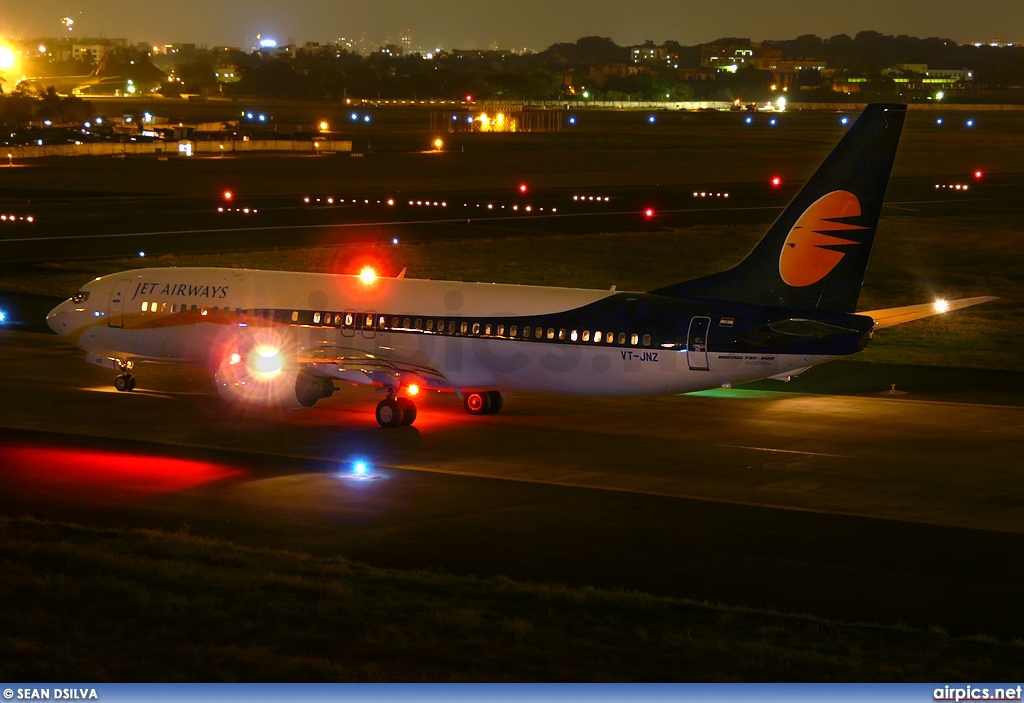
pixel 80 297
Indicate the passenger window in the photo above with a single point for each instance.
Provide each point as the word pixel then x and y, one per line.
pixel 163 307
pixel 464 327
pixel 476 328
pixel 647 340
pixel 586 336
pixel 487 330
pixel 539 332
pixel 204 311
pixel 382 322
pixel 407 323
pixel 266 313
pixel 430 325
pixel 634 339
pixel 451 327
pixel 622 337
pixel 295 315
pixel 316 318
pixel 368 322
pixel 419 324
pixel 501 330
pixel 394 322
pixel 551 333
pixel 574 335
pixel 526 331
pixel 561 335
pixel 597 336
pixel 512 331
pixel 194 308
pixel 610 338
pixel 145 306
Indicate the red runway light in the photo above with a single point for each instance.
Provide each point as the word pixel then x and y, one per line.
pixel 978 174
pixel 649 212
pixel 522 187
pixel 776 181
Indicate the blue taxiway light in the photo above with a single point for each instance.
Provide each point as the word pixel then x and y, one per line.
pixel 938 121
pixel 3 317
pixel 572 120
pixel 845 120
pixel 749 120
pixel 651 119
pixel 970 123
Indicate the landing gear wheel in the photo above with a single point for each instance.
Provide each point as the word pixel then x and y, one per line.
pixel 477 403
pixel 389 413
pixel 408 411
pixel 496 401
pixel 125 382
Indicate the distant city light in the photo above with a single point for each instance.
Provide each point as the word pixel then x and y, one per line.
pixel 324 126
pixel 268 43
pixel 438 144
pixel 6 58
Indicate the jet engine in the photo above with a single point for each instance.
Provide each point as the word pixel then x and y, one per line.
pixel 259 372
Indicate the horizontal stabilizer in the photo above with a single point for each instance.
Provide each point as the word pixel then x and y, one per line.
pixel 897 316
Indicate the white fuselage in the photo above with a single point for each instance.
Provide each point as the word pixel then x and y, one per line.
pixel 192 315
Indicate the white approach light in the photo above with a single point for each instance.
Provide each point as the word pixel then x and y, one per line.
pixel 941 305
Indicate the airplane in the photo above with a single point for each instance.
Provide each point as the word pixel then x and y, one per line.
pixel 285 338
pixel 70 85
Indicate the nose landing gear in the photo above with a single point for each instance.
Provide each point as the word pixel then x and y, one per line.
pixel 125 382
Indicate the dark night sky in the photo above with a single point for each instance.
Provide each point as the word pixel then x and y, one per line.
pixel 510 24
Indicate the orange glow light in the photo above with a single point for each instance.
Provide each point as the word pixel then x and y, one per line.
pixel 228 195
pixel 412 390
pixel 367 275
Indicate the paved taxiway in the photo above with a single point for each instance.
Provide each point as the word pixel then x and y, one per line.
pixel 872 507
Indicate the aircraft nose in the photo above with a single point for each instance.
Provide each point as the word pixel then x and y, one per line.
pixel 57 319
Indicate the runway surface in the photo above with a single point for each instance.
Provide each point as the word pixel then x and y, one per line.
pixel 867 507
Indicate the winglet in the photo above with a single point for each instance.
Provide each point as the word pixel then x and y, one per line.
pixel 890 317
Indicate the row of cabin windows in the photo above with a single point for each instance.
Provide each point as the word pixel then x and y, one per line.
pixel 154 306
pixel 348 320
pixel 514 331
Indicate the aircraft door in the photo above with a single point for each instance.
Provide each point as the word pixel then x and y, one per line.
pixel 115 310
pixel 697 344
pixel 348 323
pixel 368 327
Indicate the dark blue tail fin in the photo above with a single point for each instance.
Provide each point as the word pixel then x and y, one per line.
pixel 816 253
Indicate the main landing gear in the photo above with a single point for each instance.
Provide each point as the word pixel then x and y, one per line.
pixel 125 382
pixel 395 412
pixel 483 402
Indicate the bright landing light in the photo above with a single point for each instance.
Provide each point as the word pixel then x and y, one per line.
pixel 6 58
pixel 367 275
pixel 941 306
pixel 268 360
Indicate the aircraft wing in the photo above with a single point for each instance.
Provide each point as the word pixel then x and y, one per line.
pixel 356 366
pixel 897 316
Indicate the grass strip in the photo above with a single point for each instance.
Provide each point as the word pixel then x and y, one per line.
pixel 95 604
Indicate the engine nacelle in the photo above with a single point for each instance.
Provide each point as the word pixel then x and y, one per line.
pixel 261 376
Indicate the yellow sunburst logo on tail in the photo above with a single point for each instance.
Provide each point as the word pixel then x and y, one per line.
pixel 808 254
